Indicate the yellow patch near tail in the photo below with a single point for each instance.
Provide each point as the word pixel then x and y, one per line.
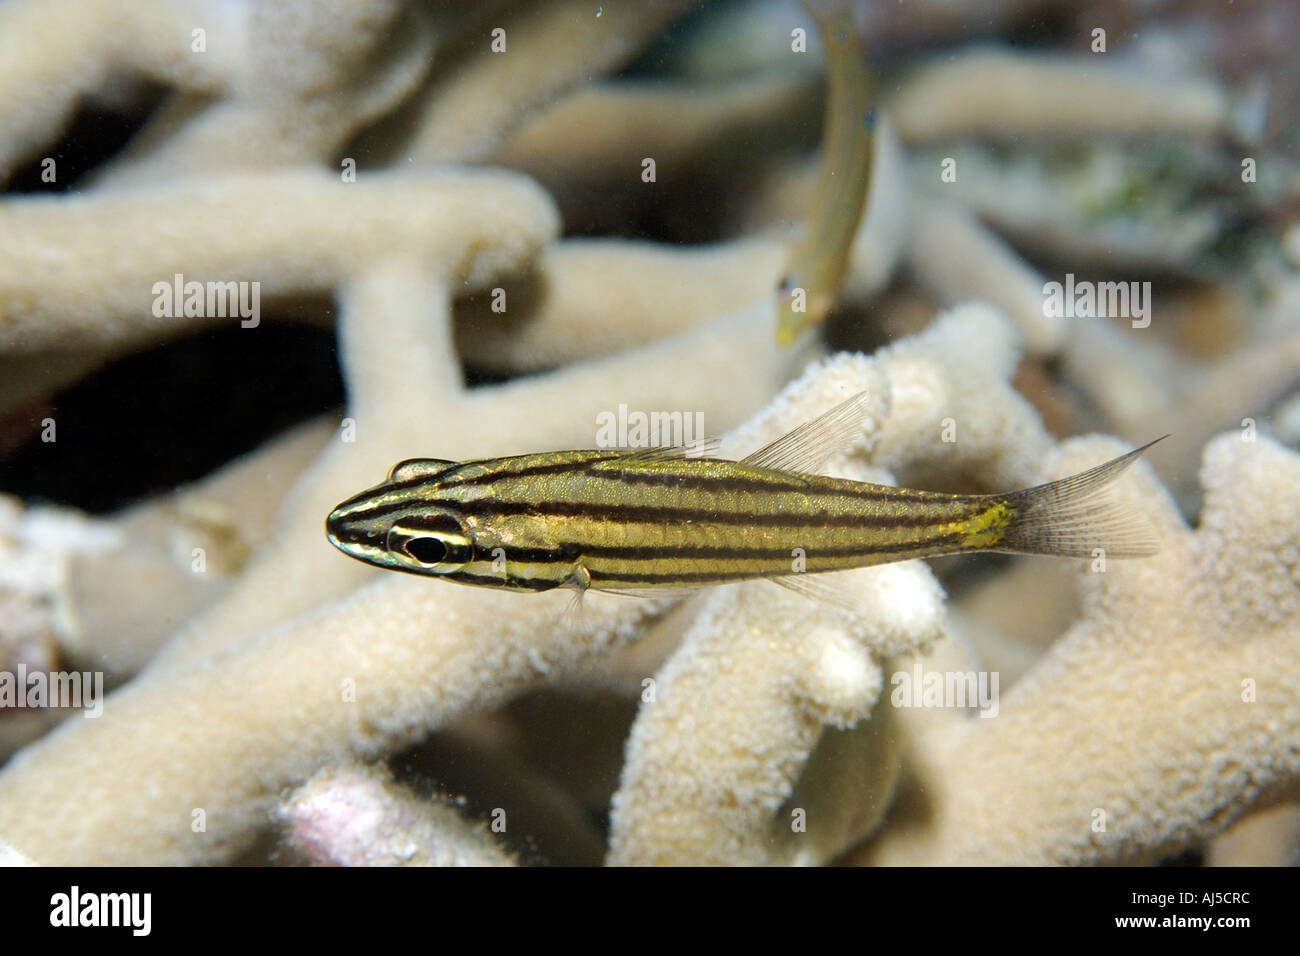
pixel 986 528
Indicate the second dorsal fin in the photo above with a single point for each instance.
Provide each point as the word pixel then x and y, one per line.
pixel 811 445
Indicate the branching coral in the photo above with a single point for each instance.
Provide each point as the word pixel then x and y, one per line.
pixel 1175 662
pixel 561 311
pixel 997 92
pixel 469 111
pixel 379 664
pixel 399 658
pixel 786 667
pixel 261 85
pixel 86 268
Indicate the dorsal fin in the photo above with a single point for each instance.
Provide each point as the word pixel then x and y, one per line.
pixel 418 468
pixel 808 447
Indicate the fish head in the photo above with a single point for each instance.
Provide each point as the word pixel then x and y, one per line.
pixel 798 309
pixel 402 524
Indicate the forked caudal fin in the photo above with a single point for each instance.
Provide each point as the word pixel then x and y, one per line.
pixel 1074 517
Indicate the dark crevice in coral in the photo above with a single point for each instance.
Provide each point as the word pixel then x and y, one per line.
pixel 1050 26
pixel 550 765
pixel 658 56
pixel 476 377
pixel 96 133
pixel 170 415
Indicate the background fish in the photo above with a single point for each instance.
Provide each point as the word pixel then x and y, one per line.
pixel 820 260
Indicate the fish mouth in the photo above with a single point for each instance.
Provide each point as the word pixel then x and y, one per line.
pixel 356 539
pixel 336 529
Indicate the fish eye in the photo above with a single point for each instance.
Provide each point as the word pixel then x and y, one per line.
pixel 432 543
pixel 426 550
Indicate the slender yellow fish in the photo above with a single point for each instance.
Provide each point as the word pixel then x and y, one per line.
pixel 635 521
pixel 818 264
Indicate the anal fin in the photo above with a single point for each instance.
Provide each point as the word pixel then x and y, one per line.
pixel 822 588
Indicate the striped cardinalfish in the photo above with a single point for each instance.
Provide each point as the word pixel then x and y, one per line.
pixel 642 521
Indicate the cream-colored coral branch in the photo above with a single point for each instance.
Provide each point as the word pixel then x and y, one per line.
pixel 359 678
pixel 1125 743
pixel 512 61
pixel 101 268
pixel 1001 94
pixel 592 297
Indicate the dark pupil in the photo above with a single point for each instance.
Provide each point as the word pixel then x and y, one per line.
pixel 427 550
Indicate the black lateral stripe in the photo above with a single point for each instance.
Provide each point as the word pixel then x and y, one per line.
pixel 687 577
pixel 754 554
pixel 564 554
pixel 658 514
pixel 414 505
pixel 572 551
pixel 432 522
pixel 703 577
pixel 711 483
pixel 533 471
pixel 794 482
pixel 415 500
pixel 416 481
pixel 496 580
pixel 493 474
